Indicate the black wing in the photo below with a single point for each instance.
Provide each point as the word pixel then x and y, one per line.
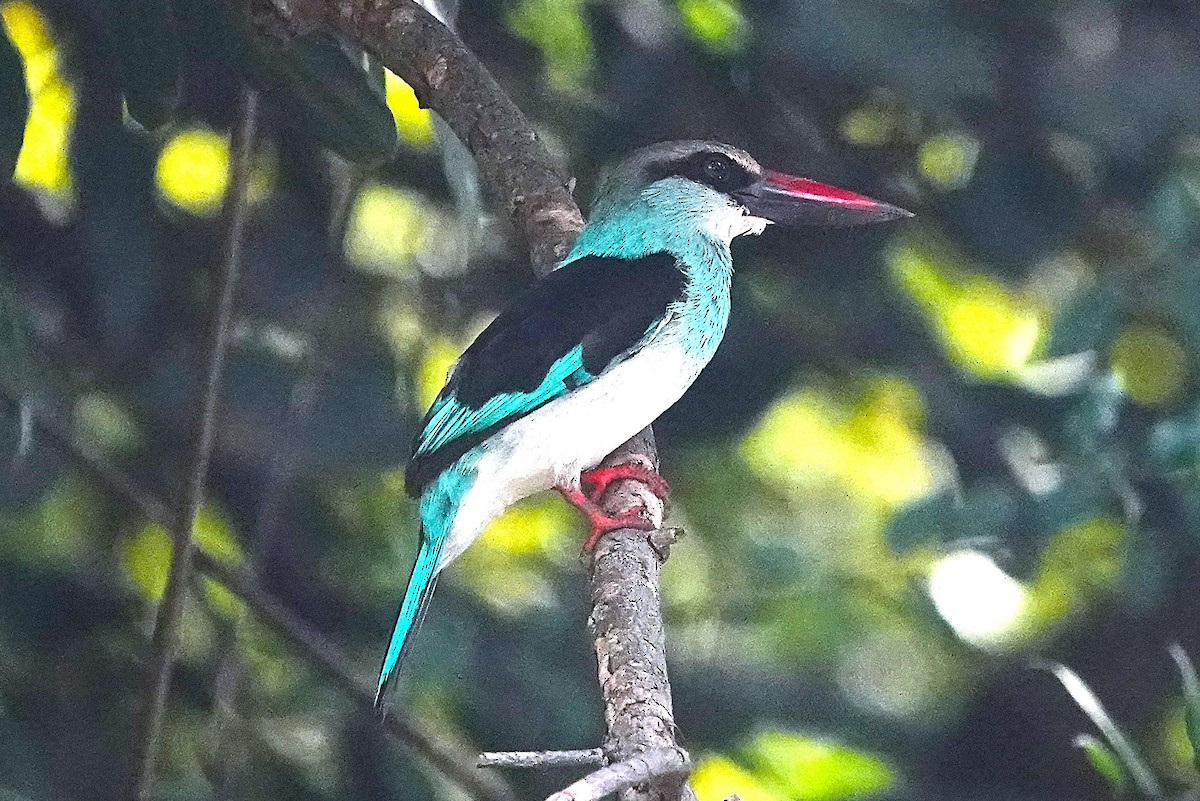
pixel 561 333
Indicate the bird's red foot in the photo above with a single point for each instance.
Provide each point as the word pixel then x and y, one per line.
pixel 602 522
pixel 598 479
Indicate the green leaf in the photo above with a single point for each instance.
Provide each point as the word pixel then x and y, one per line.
pixel 145 37
pixel 817 770
pixel 319 85
pixel 1191 698
pixel 1088 322
pixel 14 105
pixel 337 98
pixel 1105 762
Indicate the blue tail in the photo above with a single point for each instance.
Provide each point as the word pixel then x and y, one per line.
pixel 439 505
pixel 412 611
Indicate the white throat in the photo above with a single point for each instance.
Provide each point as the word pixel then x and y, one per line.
pixel 728 221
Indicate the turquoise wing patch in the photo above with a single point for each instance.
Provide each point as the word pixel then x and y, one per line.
pixel 449 420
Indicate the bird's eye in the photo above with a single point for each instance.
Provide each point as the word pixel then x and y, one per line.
pixel 716 169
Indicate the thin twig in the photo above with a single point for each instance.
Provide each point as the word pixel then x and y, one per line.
pixel 281 470
pixel 325 656
pixel 644 768
pixel 160 661
pixel 538 760
pixel 1087 701
pixel 334 666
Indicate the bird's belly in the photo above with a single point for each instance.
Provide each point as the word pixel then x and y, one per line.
pixel 553 444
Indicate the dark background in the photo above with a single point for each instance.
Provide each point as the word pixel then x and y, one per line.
pixel 897 414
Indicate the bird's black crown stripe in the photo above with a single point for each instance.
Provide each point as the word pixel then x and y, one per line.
pixel 709 167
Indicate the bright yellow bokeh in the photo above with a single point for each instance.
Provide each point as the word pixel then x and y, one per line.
pixel 440 355
pixel 193 172
pixel 716 778
pixel 986 328
pixel 42 164
pixel 388 227
pixel 510 567
pixel 1149 363
pixel 413 123
pixel 791 767
pixel 871 445
pixel 947 161
pixel 816 770
pixel 558 29
pixel 718 25
pixel 147 557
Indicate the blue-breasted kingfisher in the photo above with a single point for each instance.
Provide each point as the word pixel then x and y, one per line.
pixel 597 349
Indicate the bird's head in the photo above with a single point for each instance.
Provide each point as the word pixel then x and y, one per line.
pixel 725 193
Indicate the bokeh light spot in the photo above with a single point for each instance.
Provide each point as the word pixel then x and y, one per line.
pixel 440 356
pixel 986 328
pixel 42 164
pixel 870 444
pixel 867 127
pixel 510 567
pixel 558 29
pixel 985 606
pixel 147 557
pixel 1149 363
pixel 413 123
pixel 947 161
pixel 193 172
pixel 717 778
pixel 718 25
pixel 387 229
pixel 817 770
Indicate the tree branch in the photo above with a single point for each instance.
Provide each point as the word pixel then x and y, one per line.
pixel 644 768
pixel 517 174
pixel 324 655
pixel 516 171
pixel 160 661
pixel 627 628
pixel 539 760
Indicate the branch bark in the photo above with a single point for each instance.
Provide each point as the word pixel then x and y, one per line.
pixel 644 768
pixel 160 661
pixel 519 178
pixel 540 760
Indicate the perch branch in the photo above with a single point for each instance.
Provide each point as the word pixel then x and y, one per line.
pixel 627 630
pixel 518 175
pixel 641 769
pixel 161 659
pixel 538 760
pixel 324 655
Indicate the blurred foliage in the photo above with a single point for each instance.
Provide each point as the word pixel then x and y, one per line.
pixel 925 454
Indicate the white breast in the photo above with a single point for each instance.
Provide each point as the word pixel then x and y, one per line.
pixel 550 446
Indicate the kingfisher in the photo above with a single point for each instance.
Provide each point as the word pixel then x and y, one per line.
pixel 596 350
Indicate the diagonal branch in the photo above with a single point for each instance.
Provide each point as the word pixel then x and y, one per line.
pixel 160 661
pixel 519 177
pixel 324 655
pixel 516 171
